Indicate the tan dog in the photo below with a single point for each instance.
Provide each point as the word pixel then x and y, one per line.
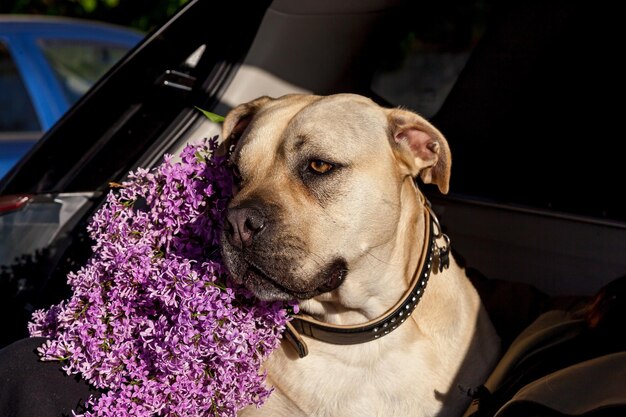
pixel 327 212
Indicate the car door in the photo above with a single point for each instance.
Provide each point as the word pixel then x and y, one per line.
pixel 129 118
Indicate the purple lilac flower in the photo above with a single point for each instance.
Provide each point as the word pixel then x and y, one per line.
pixel 154 320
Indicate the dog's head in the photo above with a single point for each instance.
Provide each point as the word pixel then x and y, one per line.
pixel 319 184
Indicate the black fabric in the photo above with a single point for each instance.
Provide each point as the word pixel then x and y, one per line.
pixel 33 388
pixel 605 315
pixel 531 409
pixel 512 306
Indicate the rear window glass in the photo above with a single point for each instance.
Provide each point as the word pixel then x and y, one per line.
pixel 17 113
pixel 527 94
pixel 79 64
pixel 424 63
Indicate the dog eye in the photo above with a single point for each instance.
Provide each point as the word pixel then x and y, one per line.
pixel 319 166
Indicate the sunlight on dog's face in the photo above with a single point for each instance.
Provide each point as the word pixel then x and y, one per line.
pixel 318 187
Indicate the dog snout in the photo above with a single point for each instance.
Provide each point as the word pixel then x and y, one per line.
pixel 243 224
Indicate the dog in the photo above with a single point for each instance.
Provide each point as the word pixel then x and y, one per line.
pixel 326 211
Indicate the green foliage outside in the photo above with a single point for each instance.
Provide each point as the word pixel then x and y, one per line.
pixel 139 14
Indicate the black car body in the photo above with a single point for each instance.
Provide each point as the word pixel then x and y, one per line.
pixel 527 93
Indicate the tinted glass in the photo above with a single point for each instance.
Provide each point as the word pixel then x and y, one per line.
pixel 79 64
pixel 16 110
pixel 528 95
pixel 428 55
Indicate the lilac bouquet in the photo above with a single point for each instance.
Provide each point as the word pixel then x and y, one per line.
pixel 154 322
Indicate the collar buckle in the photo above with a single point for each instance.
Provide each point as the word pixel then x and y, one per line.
pixel 441 252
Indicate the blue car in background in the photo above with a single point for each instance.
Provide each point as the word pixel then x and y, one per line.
pixel 46 65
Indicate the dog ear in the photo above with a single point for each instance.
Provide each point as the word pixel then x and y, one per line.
pixel 237 120
pixel 426 151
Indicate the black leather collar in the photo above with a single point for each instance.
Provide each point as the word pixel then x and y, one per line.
pixel 366 332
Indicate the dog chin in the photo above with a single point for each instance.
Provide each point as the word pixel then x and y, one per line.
pixel 268 288
pixel 265 288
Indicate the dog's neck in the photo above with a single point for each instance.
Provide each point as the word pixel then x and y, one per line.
pixel 403 268
pixel 390 266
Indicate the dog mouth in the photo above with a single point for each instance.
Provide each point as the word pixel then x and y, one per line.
pixel 267 287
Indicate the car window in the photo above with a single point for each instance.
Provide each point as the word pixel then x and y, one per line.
pixel 424 62
pixel 17 113
pixel 527 94
pixel 77 65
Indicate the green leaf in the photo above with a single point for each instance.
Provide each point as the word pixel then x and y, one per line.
pixel 215 118
pixel 89 5
pixel 199 157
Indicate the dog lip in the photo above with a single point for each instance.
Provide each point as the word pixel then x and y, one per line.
pixel 334 274
pixel 336 277
pixel 255 272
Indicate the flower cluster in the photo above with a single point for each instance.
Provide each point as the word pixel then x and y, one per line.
pixel 153 320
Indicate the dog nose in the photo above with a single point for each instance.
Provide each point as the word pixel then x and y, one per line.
pixel 243 223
